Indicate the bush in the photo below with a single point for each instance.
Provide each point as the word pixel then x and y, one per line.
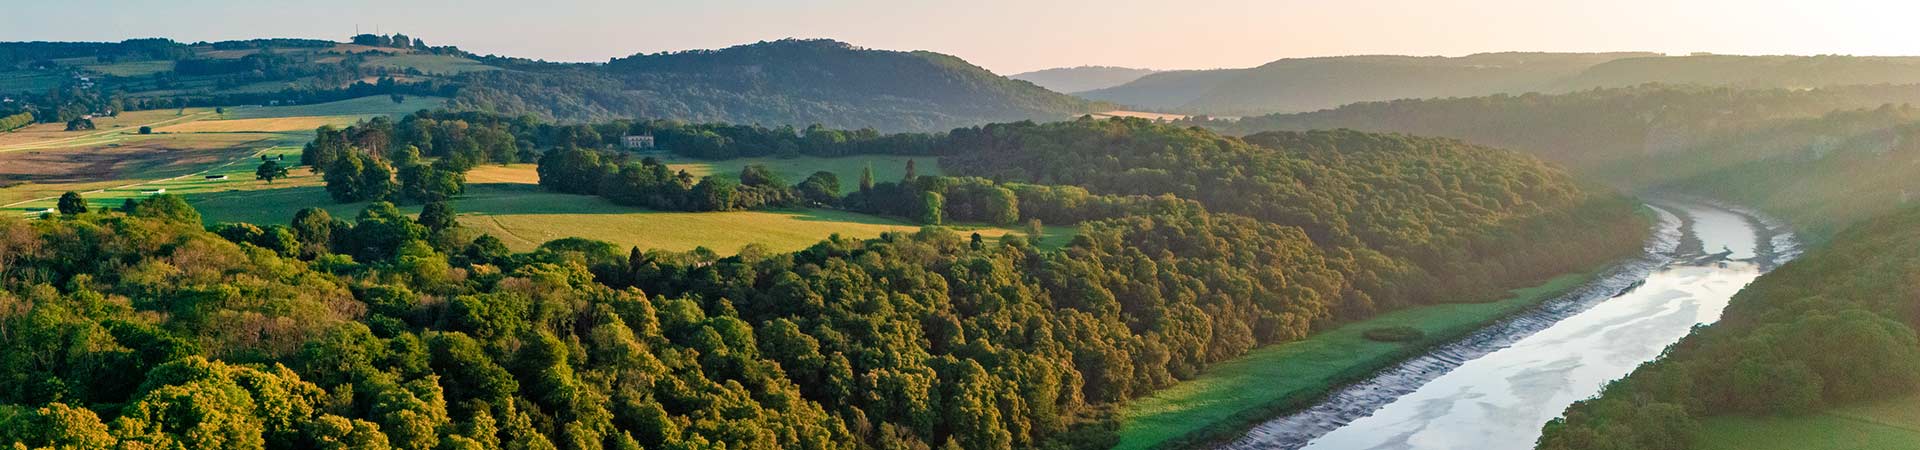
pixel 1395 334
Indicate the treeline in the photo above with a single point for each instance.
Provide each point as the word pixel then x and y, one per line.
pixel 700 140
pixel 1832 327
pixel 651 184
pixel 41 54
pixel 927 200
pixel 16 121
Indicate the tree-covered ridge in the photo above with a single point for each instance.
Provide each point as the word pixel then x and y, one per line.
pixel 1832 327
pixel 787 82
pixel 1589 130
pixel 1307 84
pixel 1820 158
pixel 1310 84
pixel 1750 71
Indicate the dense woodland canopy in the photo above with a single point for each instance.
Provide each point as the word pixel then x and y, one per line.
pixel 1832 327
pixel 141 328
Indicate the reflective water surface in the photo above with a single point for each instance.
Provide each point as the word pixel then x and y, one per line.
pixel 1494 390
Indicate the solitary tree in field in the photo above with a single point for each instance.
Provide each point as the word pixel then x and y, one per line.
pixel 220 110
pixel 1034 229
pixel 911 173
pixel 146 130
pixel 71 203
pixel 269 170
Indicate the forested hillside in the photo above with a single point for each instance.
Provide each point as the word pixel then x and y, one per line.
pixel 1360 192
pixel 1833 327
pixel 788 82
pixel 1822 158
pixel 1750 72
pixel 1301 85
pixel 1307 84
pixel 136 327
pixel 1084 78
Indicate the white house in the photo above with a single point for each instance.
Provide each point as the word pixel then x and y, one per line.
pixel 638 141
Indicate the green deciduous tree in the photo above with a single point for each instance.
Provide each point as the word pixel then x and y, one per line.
pixel 71 203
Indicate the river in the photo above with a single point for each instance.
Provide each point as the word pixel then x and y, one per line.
pixel 1495 388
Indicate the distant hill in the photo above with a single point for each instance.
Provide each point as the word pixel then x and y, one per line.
pixel 1794 72
pixel 1300 85
pixel 1820 158
pixel 786 82
pixel 1084 78
pixel 1306 84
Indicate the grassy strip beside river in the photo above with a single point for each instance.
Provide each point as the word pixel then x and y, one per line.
pixel 1281 377
pixel 1881 424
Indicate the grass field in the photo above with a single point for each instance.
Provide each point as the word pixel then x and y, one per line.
pixel 266 125
pixel 1885 424
pixel 130 68
pixel 1281 376
pixel 107 130
pixel 524 217
pixel 114 162
pixel 362 107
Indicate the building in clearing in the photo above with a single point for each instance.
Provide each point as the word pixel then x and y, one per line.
pixel 638 141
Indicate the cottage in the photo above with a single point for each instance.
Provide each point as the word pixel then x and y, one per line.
pixel 638 141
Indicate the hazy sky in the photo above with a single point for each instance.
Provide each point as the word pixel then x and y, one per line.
pixel 1011 36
